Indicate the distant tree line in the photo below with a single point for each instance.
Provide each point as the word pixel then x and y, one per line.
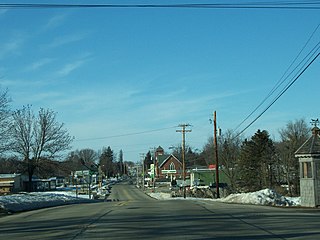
pixel 255 163
pixel 259 162
pixel 106 160
pixel 32 143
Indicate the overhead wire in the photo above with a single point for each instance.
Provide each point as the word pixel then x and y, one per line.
pixel 125 134
pixel 249 5
pixel 282 79
pixel 306 5
pixel 312 58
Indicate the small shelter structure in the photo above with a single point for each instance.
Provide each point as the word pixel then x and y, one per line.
pixel 309 164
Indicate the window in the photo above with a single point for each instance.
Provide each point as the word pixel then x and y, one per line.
pixel 172 166
pixel 306 170
pixel 318 169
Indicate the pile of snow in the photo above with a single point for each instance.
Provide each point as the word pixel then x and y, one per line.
pixel 160 195
pixel 263 197
pixel 36 200
pixel 30 201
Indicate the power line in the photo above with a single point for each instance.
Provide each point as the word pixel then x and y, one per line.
pixel 249 5
pixel 124 135
pixel 279 95
pixel 284 77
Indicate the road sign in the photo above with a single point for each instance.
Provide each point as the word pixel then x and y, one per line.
pixel 168 171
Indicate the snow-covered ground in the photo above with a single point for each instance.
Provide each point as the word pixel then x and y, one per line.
pixel 30 201
pixel 262 197
pixel 35 200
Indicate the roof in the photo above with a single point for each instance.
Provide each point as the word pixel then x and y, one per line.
pixel 159 149
pixel 312 145
pixel 163 158
pixel 5 175
pixel 7 184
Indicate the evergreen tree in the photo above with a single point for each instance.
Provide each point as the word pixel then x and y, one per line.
pixel 147 160
pixel 256 165
pixel 106 162
pixel 248 167
pixel 121 166
pixel 191 158
pixel 207 155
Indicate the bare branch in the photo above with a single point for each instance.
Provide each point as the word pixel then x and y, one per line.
pixel 4 121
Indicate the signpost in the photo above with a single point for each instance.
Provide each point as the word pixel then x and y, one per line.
pixel 168 171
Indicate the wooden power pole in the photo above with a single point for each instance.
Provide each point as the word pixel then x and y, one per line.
pixel 183 131
pixel 216 151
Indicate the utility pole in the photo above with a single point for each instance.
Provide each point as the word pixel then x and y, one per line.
pixel 216 151
pixel 153 169
pixel 154 173
pixel 315 122
pixel 137 175
pixel 142 159
pixel 183 131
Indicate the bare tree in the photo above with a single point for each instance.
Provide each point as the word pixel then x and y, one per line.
pixel 72 161
pixel 10 165
pixel 292 137
pixel 88 156
pixel 229 152
pixel 38 137
pixel 4 121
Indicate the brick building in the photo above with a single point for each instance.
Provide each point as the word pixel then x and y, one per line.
pixel 167 166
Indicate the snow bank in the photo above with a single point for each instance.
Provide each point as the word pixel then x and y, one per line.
pixel 263 197
pixel 160 196
pixel 30 201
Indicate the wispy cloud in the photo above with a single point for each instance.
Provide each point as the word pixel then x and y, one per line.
pixel 172 105
pixel 70 67
pixel 77 63
pixel 55 21
pixel 21 83
pixel 42 99
pixel 2 72
pixel 10 47
pixel 38 64
pixel 3 11
pixel 67 39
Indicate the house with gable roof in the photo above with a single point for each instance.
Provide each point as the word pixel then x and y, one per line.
pixel 168 166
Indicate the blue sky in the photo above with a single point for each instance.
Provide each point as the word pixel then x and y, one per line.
pixel 111 72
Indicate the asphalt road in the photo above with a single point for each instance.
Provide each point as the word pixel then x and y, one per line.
pixel 130 214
